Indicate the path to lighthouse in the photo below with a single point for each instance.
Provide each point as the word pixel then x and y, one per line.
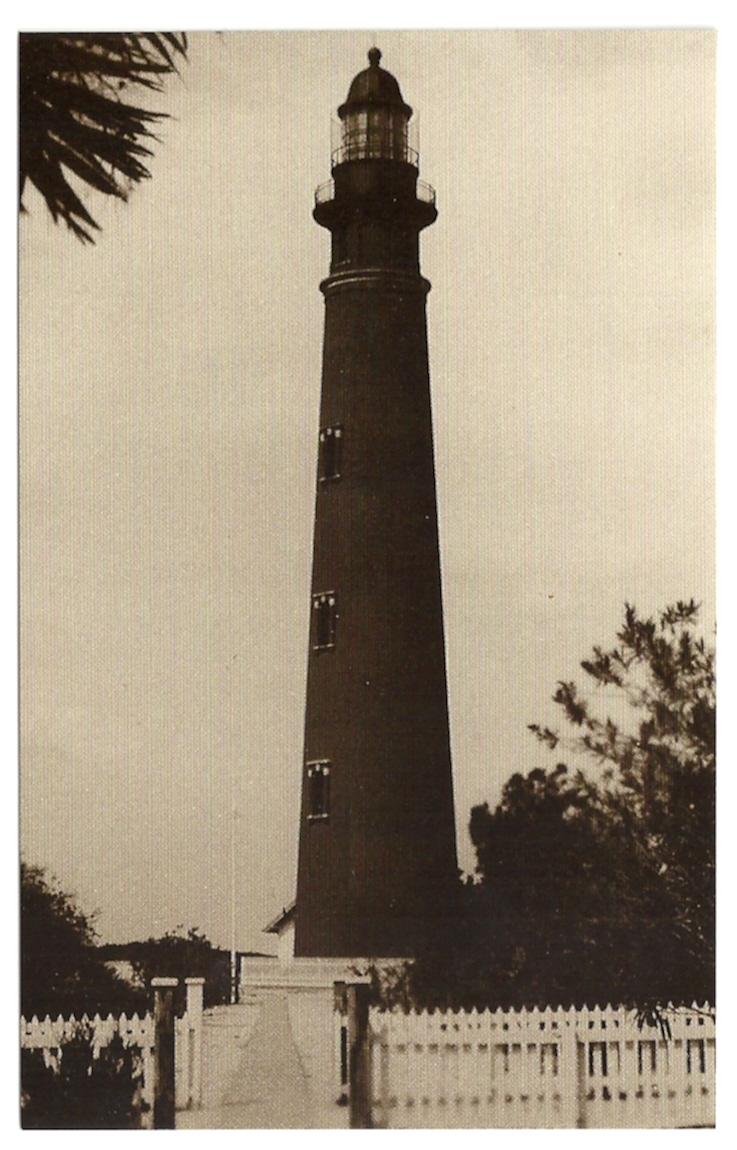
pixel 253 1075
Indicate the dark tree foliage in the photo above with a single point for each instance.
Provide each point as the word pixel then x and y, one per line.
pixel 595 891
pixel 62 970
pixel 181 954
pixel 577 917
pixel 658 792
pixel 73 118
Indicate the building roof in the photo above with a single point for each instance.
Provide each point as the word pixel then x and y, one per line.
pixel 374 87
pixel 282 920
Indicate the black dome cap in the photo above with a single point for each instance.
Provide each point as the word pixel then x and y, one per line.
pixel 374 87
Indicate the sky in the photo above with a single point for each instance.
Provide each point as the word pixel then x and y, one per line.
pixel 169 392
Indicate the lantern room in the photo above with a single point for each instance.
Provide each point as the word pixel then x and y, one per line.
pixel 374 118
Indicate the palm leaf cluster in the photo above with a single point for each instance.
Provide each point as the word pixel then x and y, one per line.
pixel 74 119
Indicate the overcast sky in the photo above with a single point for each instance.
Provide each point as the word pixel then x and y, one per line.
pixel 169 409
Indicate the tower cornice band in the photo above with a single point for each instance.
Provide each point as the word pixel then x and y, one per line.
pixel 385 279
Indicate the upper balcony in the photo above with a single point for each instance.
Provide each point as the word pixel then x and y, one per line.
pixel 326 192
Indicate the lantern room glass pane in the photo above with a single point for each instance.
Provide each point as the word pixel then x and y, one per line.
pixel 380 134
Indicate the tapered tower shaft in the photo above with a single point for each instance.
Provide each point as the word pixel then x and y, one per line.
pixel 377 858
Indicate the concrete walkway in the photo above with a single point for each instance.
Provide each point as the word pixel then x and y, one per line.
pixel 253 1076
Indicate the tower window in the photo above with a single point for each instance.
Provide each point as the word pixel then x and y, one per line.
pixel 318 789
pixel 324 618
pixel 331 450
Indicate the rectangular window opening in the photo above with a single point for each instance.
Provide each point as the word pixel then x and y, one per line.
pixel 330 454
pixel 318 790
pixel 324 619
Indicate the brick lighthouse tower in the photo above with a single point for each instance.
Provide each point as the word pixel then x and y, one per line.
pixel 377 854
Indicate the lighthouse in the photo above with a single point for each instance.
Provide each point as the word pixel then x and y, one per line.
pixel 377 866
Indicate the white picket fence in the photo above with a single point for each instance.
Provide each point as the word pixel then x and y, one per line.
pixel 542 1069
pixel 504 1069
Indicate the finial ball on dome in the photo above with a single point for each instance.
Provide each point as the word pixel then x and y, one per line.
pixel 374 57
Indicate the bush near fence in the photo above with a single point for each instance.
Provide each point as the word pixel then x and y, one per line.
pixel 85 1074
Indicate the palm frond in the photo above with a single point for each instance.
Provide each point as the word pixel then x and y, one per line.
pixel 73 118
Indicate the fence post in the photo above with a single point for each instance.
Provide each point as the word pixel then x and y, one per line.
pixel 164 1052
pixel 572 1071
pixel 359 1056
pixel 195 992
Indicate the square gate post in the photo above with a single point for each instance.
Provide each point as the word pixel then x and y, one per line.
pixel 195 992
pixel 359 1056
pixel 164 1052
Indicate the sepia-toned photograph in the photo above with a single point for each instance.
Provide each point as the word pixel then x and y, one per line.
pixel 367 579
